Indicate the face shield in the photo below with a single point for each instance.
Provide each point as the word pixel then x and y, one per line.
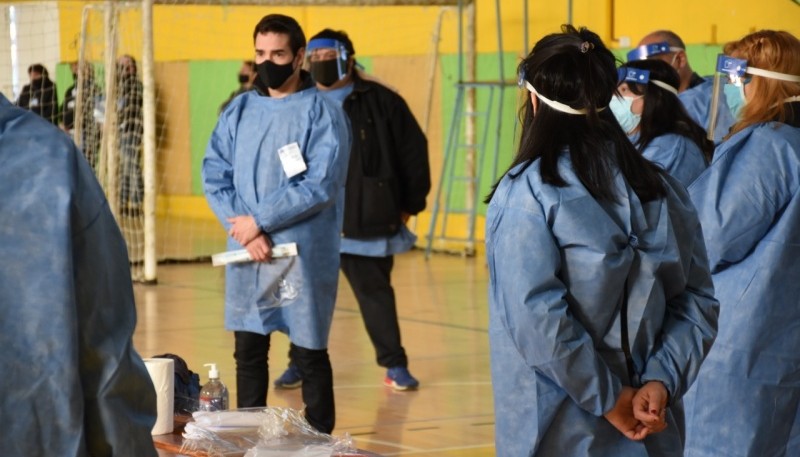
pixel 326 60
pixel 622 106
pixel 639 76
pixel 731 76
pixel 648 51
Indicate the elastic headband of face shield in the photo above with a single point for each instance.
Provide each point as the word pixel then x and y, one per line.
pixel 735 69
pixel 329 43
pixel 646 51
pixel 639 76
pixel 556 105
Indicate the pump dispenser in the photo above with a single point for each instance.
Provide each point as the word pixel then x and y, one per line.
pixel 214 394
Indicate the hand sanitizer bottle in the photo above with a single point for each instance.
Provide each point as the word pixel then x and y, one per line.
pixel 214 394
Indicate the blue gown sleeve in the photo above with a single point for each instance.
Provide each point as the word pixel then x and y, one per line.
pixel 217 172
pixel 741 194
pixel 326 156
pixel 689 328
pixel 531 303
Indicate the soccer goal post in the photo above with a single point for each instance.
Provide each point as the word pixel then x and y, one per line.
pixel 150 77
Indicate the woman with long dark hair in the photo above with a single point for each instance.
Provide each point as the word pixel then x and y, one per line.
pixel 601 303
pixel 747 398
pixel 649 110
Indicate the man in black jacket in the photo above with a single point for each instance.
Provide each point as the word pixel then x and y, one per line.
pixel 388 180
pixel 90 130
pixel 130 117
pixel 40 96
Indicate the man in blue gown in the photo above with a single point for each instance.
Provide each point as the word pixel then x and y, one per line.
pixel 274 173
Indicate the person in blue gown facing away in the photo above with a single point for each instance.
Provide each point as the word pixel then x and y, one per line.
pixel 601 306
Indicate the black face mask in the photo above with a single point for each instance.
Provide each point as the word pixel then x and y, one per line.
pixel 243 79
pixel 274 75
pixel 325 72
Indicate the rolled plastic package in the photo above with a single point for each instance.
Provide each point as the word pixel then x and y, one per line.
pixel 162 372
pixel 261 432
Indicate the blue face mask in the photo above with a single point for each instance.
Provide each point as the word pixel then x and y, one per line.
pixel 734 96
pixel 621 108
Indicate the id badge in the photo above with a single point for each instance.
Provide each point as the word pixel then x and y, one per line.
pixel 292 160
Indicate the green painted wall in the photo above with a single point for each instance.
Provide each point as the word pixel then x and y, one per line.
pixel 207 91
pixel 496 149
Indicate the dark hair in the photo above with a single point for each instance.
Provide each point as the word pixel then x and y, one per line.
pixel 251 64
pixel 663 111
pixel 38 68
pixel 279 23
pixel 134 65
pixel 341 36
pixel 338 35
pixel 575 68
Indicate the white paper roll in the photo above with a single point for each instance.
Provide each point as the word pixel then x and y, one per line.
pixel 162 372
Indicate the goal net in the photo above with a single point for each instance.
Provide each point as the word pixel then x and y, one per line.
pixel 197 50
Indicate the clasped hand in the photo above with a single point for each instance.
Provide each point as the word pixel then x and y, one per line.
pixel 247 233
pixel 641 412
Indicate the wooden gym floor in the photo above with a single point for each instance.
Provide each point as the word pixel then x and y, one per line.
pixel 442 305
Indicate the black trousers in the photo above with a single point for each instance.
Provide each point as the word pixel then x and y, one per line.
pixel 252 378
pixel 370 279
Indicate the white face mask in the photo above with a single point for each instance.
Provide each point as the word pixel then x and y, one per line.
pixel 621 108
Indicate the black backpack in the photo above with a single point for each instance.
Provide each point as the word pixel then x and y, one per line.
pixel 187 385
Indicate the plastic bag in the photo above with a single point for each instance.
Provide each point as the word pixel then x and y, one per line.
pixel 260 432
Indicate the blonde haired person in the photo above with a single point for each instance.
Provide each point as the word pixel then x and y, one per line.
pixel 746 399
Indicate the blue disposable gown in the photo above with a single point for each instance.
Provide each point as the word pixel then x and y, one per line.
pixel 678 155
pixel 243 175
pixel 746 401
pixel 559 261
pixel 697 102
pixel 72 384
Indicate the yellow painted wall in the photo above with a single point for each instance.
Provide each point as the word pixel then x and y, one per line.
pixel 224 32
pixel 174 156
pixel 706 22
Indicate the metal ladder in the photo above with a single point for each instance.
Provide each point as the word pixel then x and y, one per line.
pixel 475 145
pixel 474 153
